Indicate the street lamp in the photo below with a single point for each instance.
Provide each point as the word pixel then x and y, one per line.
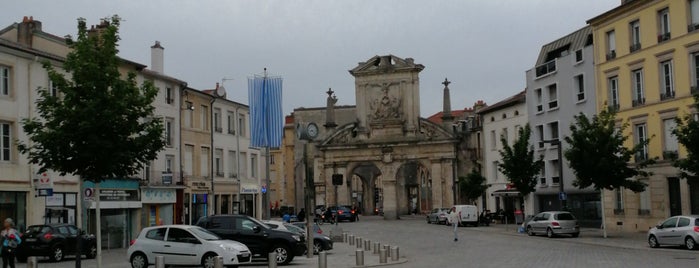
pixel 308 132
pixel 561 194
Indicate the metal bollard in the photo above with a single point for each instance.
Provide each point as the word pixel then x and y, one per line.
pixel 382 256
pixel 367 245
pixel 394 254
pixel 351 240
pixel 359 242
pixel 376 247
pixel 159 262
pixel 272 260
pixel 218 262
pixel 388 250
pixel 32 262
pixel 359 257
pixel 344 237
pixel 322 259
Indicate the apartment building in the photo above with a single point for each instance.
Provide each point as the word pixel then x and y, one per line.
pixel 559 87
pixel 646 68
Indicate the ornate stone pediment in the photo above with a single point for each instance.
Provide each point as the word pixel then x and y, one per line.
pixel 343 136
pixel 383 64
pixel 432 131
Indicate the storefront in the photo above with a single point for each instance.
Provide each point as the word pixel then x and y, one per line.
pixel 248 195
pixel 196 198
pixel 120 204
pixel 61 208
pixel 13 205
pixel 158 206
pixel 225 200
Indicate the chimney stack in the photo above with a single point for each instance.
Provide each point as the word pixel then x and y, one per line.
pixel 26 29
pixel 157 58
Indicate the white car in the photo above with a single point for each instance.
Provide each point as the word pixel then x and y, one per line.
pixel 185 245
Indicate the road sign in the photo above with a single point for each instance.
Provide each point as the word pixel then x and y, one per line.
pixel 562 196
pixel 44 192
pixel 264 189
pixel 89 194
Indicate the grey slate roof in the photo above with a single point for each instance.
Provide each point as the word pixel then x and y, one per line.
pixel 575 41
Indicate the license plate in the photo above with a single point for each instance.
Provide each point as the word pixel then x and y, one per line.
pixel 31 239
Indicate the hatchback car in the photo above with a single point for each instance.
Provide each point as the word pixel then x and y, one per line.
pixel 342 213
pixel 438 215
pixel 320 242
pixel 676 231
pixel 55 241
pixel 553 223
pixel 185 245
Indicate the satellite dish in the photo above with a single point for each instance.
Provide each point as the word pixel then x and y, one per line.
pixel 220 91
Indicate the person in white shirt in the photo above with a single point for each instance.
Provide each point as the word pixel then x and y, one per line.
pixel 455 220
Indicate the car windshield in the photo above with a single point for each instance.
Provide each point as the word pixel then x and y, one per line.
pixel 204 234
pixel 37 229
pixel 294 228
pixel 565 217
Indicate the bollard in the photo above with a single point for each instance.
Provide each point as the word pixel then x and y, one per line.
pixel 359 257
pixel 272 260
pixel 388 250
pixel 351 240
pixel 344 237
pixel 394 254
pixel 359 242
pixel 382 256
pixel 32 262
pixel 159 262
pixel 322 259
pixel 376 247
pixel 367 245
pixel 218 262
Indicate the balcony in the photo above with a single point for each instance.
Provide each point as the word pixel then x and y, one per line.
pixel 159 178
pixel 638 102
pixel 670 155
pixel 169 100
pixel 218 129
pixel 613 107
pixel 232 175
pixel 664 37
pixel 692 27
pixel 635 47
pixel 220 174
pixel 546 68
pixel 231 131
pixel 667 95
pixel 553 104
pixel 611 55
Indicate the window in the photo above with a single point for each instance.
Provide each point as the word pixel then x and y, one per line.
pixel 169 128
pixel 668 84
pixel 637 87
pixel 540 134
pixel 495 170
pixel 539 100
pixel 553 130
pixel 694 15
pixel 156 234
pixel 188 114
pixel 619 201
pixel 180 236
pixel 682 222
pixel 72 230
pixel 611 45
pixel 553 96
pixel 644 201
pixel 578 56
pixel 4 81
pixel 243 164
pixel 542 179
pixel 169 96
pixel 641 135
pixel 670 223
pixel 614 93
pixel 695 72
pixel 241 125
pixel 555 172
pixel 147 171
pixel 493 140
pixel 271 159
pixel 232 164
pixel 579 82
pixel 169 161
pixel 217 120
pixel 204 162
pixel 231 123
pixel 218 162
pixel 5 142
pixel 504 135
pixel 53 90
pixel 670 143
pixel 664 25
pixel 253 165
pixel 188 159
pixel 204 117
pixel 635 28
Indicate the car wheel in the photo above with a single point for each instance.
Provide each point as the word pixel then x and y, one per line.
pixel 283 255
pixel 549 233
pixel 530 232
pixel 317 247
pixel 208 260
pixel 690 243
pixel 428 220
pixel 56 254
pixel 92 252
pixel 653 241
pixel 575 235
pixel 139 260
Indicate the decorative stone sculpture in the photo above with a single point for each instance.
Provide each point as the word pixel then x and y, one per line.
pixel 330 109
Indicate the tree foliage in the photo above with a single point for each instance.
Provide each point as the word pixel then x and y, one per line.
pixel 687 132
pixel 519 163
pixel 102 125
pixel 472 185
pixel 598 156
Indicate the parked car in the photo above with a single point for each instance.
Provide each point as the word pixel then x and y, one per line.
pixel 257 236
pixel 354 210
pixel 55 241
pixel 316 227
pixel 469 214
pixel 184 245
pixel 342 213
pixel 676 231
pixel 438 215
pixel 553 223
pixel 320 242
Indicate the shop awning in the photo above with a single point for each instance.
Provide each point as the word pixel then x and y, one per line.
pixel 510 192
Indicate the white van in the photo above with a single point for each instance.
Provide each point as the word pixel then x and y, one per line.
pixel 469 214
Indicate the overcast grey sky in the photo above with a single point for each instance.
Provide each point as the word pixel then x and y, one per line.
pixel 484 47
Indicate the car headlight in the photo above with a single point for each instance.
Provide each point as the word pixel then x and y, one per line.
pixel 233 248
pixel 296 237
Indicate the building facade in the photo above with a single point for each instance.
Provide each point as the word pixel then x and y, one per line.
pixel 559 87
pixel 646 62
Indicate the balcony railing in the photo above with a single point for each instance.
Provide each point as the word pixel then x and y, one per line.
pixel 664 37
pixel 218 129
pixel 231 131
pixel 611 55
pixel 635 47
pixel 614 107
pixel 670 155
pixel 546 68
pixel 158 177
pixel 638 102
pixel 692 27
pixel 667 95
pixel 553 104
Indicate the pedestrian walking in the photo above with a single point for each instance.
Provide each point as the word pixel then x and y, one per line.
pixel 301 215
pixel 10 241
pixel 286 218
pixel 455 220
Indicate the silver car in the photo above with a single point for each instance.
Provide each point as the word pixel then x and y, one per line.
pixel 676 231
pixel 438 215
pixel 553 223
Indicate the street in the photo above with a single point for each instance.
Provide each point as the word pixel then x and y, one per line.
pixel 430 245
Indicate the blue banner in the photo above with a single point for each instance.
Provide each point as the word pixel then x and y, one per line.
pixel 266 115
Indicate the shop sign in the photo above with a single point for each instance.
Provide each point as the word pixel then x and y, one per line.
pixel 43 184
pixel 118 195
pixel 54 201
pixel 199 185
pixel 156 195
pixel 249 188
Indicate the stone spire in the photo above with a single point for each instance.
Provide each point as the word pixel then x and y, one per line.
pixel 330 109
pixel 447 117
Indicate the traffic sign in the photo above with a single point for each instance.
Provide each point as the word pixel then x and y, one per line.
pixel 562 196
pixel 89 194
pixel 264 189
pixel 44 192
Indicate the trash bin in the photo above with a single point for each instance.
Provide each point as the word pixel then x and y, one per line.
pixel 519 217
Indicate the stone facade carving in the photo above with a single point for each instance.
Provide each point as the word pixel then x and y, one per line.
pixel 432 131
pixel 386 106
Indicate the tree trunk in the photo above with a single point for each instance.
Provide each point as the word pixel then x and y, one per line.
pixel 604 221
pixel 98 224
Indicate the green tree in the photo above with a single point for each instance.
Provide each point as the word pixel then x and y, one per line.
pixel 687 132
pixel 102 126
pixel 472 185
pixel 598 156
pixel 519 163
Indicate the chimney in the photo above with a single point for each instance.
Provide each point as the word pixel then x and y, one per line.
pixel 26 29
pixel 447 117
pixel 156 58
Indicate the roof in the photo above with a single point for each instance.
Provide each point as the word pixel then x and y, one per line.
pixel 27 49
pixel 437 118
pixel 323 108
pixel 625 5
pixel 516 99
pixel 573 41
pixel 384 64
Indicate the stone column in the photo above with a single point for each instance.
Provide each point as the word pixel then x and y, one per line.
pixel 448 178
pixel 438 183
pixel 390 200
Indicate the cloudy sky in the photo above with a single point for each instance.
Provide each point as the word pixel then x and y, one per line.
pixel 482 46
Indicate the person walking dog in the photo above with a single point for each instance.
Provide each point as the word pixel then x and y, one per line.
pixel 455 220
pixel 10 241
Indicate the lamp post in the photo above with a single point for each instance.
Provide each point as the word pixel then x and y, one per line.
pixel 308 132
pixel 561 195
